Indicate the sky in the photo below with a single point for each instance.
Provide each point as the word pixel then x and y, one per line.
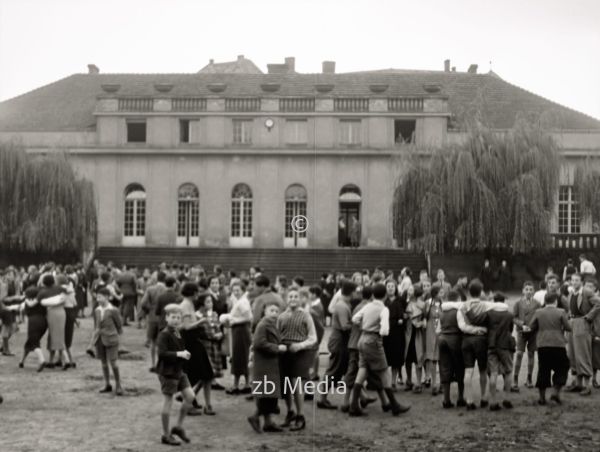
pixel 549 47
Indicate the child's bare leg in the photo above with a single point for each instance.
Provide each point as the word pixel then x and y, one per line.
pixel 166 413
pixel 506 388
pixel 106 373
pixel 188 398
pixel 493 388
pixel 483 382
pixel 419 371
pixel 207 394
pixel 153 353
pixel 468 390
pixel 434 374
pixel 115 368
pixel 299 400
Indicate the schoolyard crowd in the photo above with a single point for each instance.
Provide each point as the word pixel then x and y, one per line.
pixel 386 331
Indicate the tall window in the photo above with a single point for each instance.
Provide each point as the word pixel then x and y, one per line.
pixel 187 215
pixel 349 221
pixel 295 206
pixel 242 131
pixel 350 131
pixel 404 131
pixel 296 131
pixel 184 130
pixel 241 214
pixel 569 221
pixel 134 231
pixel 136 131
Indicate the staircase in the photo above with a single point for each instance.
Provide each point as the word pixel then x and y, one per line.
pixel 310 263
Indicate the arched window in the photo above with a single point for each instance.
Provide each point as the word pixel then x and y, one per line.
pixel 295 207
pixel 134 230
pixel 241 215
pixel 349 227
pixel 188 215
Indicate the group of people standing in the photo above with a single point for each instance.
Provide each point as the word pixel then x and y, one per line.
pixel 385 332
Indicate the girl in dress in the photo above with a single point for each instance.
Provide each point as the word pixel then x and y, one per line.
pixel 394 343
pixel 53 298
pixel 213 335
pixel 298 333
pixel 36 327
pixel 415 337
pixel 433 311
pixel 70 307
pixel 240 321
pixel 198 368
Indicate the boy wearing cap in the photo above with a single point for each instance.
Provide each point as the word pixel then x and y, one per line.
pixel 171 355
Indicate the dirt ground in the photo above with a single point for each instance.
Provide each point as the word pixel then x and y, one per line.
pixel 62 411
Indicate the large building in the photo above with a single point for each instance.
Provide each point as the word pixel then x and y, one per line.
pixel 228 156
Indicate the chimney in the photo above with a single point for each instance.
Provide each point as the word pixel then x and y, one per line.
pixel 290 62
pixel 240 57
pixel 328 67
pixel 446 65
pixel 453 68
pixel 472 69
pixel 93 69
pixel 211 61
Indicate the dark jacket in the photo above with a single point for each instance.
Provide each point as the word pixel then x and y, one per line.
pixel 265 345
pixel 168 344
pixel 500 326
pixel 550 324
pixel 109 328
pixel 582 303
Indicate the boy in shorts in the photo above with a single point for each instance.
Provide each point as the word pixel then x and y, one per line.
pixel 171 354
pixel 106 339
pixel 501 346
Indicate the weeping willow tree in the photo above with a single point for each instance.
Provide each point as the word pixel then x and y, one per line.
pixel 45 207
pixel 492 190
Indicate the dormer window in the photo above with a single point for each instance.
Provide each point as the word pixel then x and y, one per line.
pixel 136 131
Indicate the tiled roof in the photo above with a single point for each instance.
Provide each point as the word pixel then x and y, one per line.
pixel 68 104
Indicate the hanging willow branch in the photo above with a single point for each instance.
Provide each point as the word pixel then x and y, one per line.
pixel 587 189
pixel 493 190
pixel 45 208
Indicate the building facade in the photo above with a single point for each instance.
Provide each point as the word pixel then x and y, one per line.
pixel 229 157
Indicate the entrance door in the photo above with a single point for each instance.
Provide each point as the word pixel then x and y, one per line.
pixel 187 216
pixel 349 226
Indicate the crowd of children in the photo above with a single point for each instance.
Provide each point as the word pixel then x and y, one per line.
pixel 384 332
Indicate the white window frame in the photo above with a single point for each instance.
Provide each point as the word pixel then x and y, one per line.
pixel 350 132
pixel 244 135
pixel 194 223
pixel 568 211
pixel 296 132
pixel 137 203
pixel 245 208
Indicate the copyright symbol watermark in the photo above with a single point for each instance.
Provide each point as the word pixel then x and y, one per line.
pixel 299 223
